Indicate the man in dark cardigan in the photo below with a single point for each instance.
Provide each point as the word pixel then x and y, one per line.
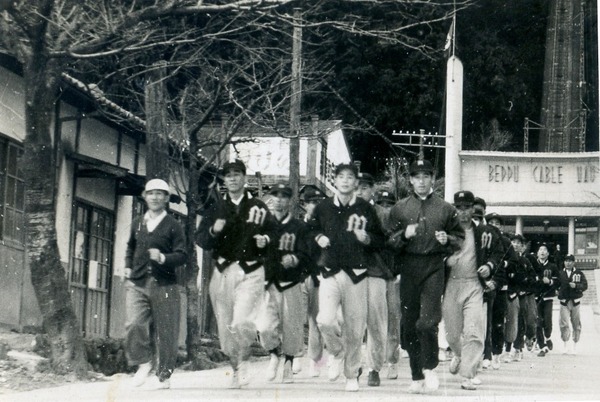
pixel 155 249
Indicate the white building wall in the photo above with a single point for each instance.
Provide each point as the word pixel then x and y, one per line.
pixel 12 106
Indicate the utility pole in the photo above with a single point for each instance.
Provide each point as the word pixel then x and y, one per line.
pixel 157 165
pixel 295 109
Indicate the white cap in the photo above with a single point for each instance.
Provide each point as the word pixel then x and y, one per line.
pixel 157 184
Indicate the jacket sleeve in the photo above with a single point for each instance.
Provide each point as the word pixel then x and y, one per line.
pixel 176 255
pixel 582 285
pixel 375 230
pixel 396 239
pixel 455 232
pixel 205 237
pixel 131 244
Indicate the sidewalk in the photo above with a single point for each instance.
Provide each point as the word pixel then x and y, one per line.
pixel 554 377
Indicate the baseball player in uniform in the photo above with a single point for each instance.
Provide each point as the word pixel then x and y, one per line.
pixel 347 230
pixel 572 285
pixel 236 229
pixel 279 324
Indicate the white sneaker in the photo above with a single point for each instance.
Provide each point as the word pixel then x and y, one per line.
pixel 416 387
pixel 442 356
pixel 352 385
pixel 520 355
pixel 154 383
pixel 495 362
pixel 486 364
pixel 313 369
pixel 141 374
pixel 297 366
pixel 468 384
pixel 432 383
pixel 565 349
pixel 288 372
pixel 272 368
pixel 476 380
pixel 573 349
pixel 335 368
pixel 392 371
pixel 243 376
pixel 454 365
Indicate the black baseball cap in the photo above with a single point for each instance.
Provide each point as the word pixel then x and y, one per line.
pixel 281 188
pixel 569 257
pixel 312 193
pixel 419 166
pixel 465 198
pixel 385 196
pixel 364 177
pixel 234 165
pixel 494 215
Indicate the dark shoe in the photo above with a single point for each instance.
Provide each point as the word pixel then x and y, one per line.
pixel 549 344
pixel 543 352
pixel 374 380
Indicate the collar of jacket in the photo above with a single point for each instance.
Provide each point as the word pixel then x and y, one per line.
pixel 428 196
pixel 247 194
pixel 338 203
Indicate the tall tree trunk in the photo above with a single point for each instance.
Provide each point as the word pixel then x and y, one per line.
pixel 47 274
pixel 193 339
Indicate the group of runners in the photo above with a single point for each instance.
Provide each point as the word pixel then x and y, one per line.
pixel 359 264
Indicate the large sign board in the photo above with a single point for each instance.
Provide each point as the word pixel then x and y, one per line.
pixel 534 181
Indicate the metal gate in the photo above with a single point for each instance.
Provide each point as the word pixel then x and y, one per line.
pixel 91 268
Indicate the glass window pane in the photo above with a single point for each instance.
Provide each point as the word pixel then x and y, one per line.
pixel 20 196
pixel 10 191
pixel 11 164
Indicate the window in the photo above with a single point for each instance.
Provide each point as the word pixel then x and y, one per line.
pixel 12 193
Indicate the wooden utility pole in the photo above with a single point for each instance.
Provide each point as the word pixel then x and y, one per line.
pixel 295 109
pixel 156 123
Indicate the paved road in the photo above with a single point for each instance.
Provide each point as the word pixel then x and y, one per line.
pixel 551 378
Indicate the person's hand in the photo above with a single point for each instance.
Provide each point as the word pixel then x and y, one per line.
pixel 323 241
pixel 155 254
pixel 362 236
pixel 572 285
pixel 484 271
pixel 127 273
pixel 218 226
pixel 490 286
pixel 546 281
pixel 397 279
pixel 411 230
pixel 261 241
pixel 441 237
pixel 289 261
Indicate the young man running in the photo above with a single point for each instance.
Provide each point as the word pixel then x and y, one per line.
pixel 281 326
pixel 426 230
pixel 236 229
pixel 347 230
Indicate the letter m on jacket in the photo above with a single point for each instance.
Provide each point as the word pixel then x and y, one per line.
pixel 287 241
pixel 356 222
pixel 257 215
pixel 486 240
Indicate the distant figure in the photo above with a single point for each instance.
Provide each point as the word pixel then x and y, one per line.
pixel 558 258
pixel 572 285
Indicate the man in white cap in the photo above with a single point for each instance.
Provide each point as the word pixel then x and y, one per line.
pixel 155 249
